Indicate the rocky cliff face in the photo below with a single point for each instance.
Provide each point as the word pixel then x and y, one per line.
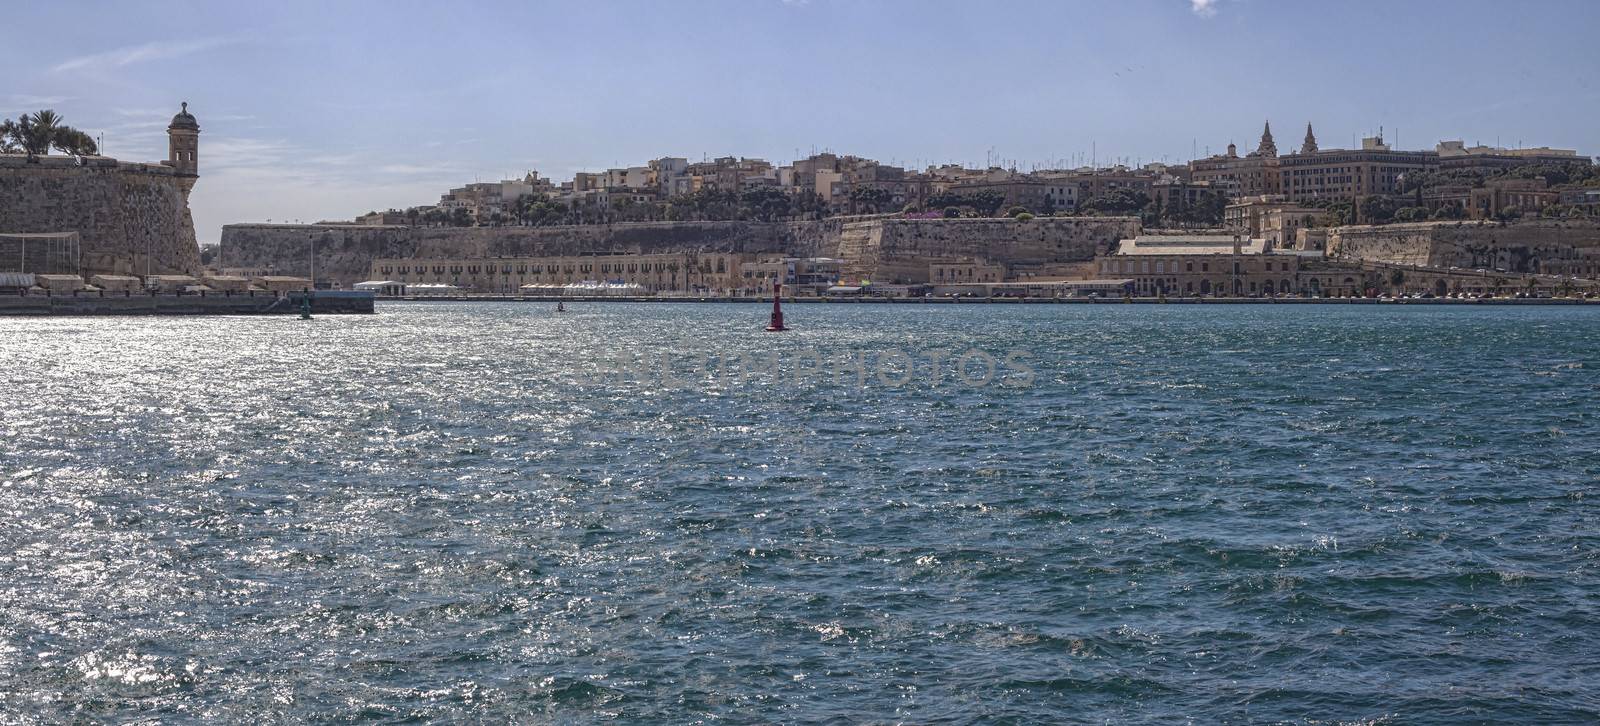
pixel 127 215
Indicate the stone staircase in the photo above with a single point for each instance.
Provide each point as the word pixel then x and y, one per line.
pixel 859 247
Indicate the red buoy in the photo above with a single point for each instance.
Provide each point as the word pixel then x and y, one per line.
pixel 776 326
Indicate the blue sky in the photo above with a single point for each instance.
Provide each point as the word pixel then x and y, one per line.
pixel 315 110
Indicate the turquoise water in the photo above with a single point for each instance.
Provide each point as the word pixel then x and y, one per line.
pixel 454 511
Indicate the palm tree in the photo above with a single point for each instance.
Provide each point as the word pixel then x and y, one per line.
pixel 40 131
pixel 36 134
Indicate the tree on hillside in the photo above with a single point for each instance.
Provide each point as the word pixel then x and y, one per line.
pixel 1117 202
pixel 985 203
pixel 767 204
pixel 869 200
pixel 988 202
pixel 1340 213
pixel 36 134
pixel 1411 214
pixel 1377 210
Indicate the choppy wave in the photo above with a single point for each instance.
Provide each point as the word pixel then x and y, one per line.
pixel 1194 514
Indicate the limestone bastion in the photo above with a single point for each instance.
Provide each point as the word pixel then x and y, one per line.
pixel 1535 246
pixel 873 247
pixel 132 218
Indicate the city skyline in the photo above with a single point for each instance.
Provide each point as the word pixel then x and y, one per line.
pixel 305 123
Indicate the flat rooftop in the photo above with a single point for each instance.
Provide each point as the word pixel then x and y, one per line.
pixel 1169 244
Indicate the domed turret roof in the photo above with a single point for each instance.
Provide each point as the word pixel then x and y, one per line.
pixel 184 119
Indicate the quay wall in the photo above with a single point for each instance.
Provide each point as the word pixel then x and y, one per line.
pixel 1539 246
pixel 123 212
pixel 262 303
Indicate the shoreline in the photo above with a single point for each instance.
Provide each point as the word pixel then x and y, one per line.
pixel 992 300
pixel 322 302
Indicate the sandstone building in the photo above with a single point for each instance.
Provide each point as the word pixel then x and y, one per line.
pixel 656 272
pixel 1203 265
pixel 1314 173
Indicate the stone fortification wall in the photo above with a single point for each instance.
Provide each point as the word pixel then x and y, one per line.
pixel 1559 247
pixel 125 213
pixel 874 247
pixel 899 249
pixel 345 252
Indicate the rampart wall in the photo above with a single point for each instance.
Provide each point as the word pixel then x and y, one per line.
pixel 874 247
pixel 1539 246
pixel 130 217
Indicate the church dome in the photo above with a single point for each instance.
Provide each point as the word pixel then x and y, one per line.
pixel 184 119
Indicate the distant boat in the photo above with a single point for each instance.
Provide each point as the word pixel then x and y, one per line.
pixel 561 307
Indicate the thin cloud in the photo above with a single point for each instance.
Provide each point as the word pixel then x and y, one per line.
pixel 159 50
pixel 25 100
pixel 411 169
pixel 1204 8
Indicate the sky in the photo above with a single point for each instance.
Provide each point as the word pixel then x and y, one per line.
pixel 327 110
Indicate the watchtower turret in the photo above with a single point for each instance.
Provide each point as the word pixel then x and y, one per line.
pixel 183 145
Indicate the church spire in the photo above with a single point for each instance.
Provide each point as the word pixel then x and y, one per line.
pixel 1267 147
pixel 1310 145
